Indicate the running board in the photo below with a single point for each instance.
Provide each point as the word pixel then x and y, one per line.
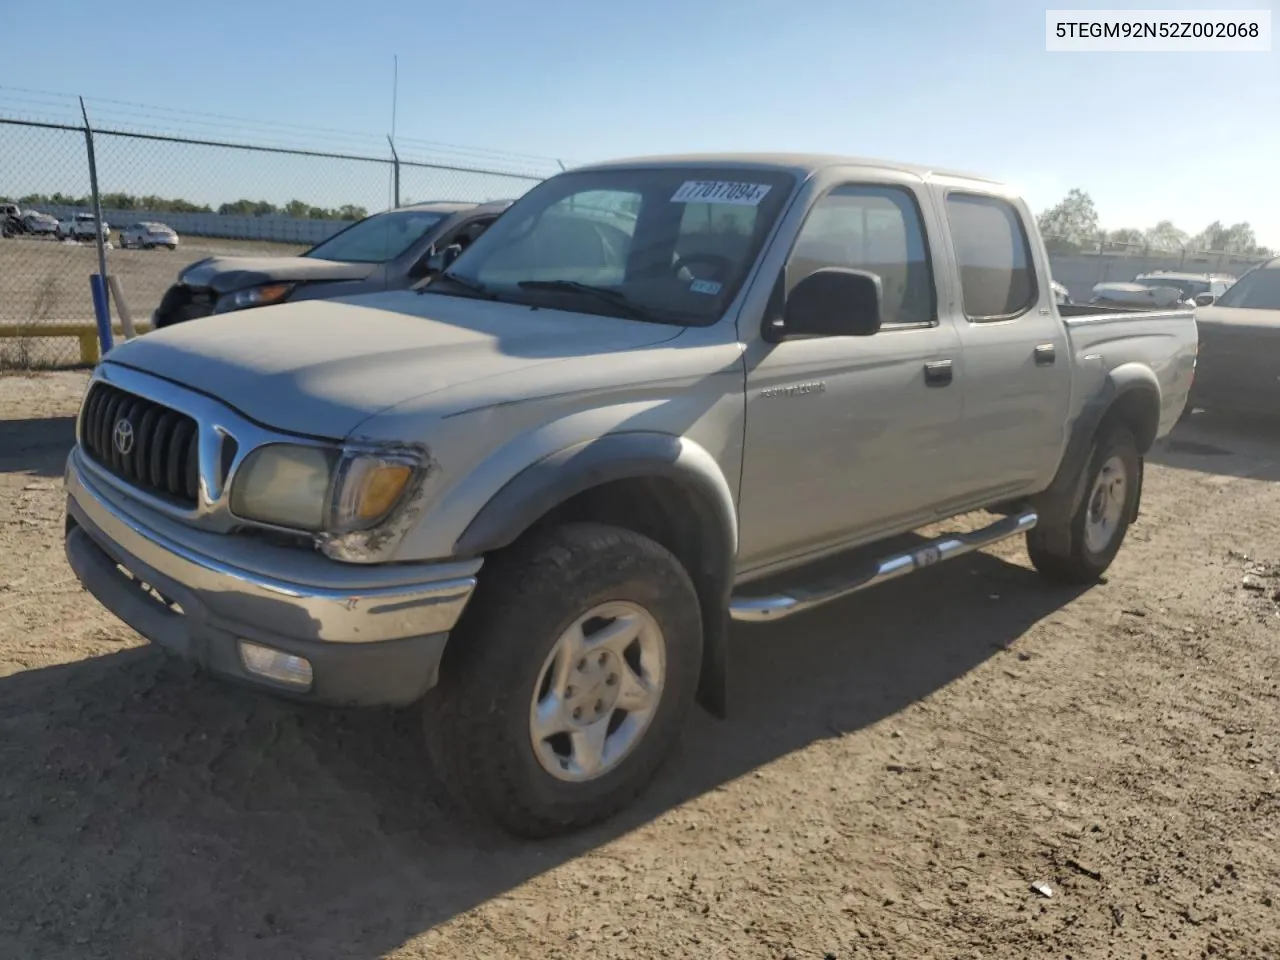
pixel 779 605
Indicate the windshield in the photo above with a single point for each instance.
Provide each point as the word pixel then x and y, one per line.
pixel 1189 288
pixel 377 239
pixel 666 244
pixel 1258 290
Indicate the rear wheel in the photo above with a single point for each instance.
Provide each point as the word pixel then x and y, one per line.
pixel 1079 549
pixel 568 681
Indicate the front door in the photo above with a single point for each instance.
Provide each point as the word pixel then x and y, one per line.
pixel 848 437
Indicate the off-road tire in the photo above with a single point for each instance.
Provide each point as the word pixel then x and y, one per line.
pixel 1058 549
pixel 477 718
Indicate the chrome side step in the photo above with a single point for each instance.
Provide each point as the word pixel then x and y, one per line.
pixel 776 606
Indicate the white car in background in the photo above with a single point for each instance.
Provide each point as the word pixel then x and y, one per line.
pixel 148 234
pixel 81 227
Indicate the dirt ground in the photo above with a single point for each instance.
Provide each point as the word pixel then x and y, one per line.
pixel 43 281
pixel 898 770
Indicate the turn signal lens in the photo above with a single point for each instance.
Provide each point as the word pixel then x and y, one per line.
pixel 369 489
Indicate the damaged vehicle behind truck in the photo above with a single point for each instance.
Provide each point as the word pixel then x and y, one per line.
pixel 646 402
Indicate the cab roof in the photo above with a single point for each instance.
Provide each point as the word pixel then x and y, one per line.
pixel 802 164
pixel 455 206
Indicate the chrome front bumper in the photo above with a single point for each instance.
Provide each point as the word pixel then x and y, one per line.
pixel 373 634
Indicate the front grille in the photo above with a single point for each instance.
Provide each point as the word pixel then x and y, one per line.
pixel 160 456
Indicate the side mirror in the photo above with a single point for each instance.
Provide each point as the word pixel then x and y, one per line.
pixel 439 262
pixel 1204 299
pixel 834 302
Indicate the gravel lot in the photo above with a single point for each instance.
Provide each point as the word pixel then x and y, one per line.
pixel 899 769
pixel 43 281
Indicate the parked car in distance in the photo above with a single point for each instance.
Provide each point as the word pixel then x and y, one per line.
pixel 81 227
pixel 537 489
pixel 40 224
pixel 147 234
pixel 1138 296
pixel 1238 371
pixel 11 222
pixel 1198 288
pixel 385 251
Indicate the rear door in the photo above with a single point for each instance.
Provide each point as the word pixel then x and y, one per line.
pixel 1017 388
pixel 847 437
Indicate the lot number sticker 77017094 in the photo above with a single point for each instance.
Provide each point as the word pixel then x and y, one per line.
pixel 721 191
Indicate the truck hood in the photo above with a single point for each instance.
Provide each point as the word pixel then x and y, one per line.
pixel 225 274
pixel 321 367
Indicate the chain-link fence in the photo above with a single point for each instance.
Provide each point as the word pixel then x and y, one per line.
pixel 220 198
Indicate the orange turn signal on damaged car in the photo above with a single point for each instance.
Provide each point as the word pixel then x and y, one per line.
pixel 255 297
pixel 370 486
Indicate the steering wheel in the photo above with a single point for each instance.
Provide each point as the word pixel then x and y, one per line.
pixel 721 266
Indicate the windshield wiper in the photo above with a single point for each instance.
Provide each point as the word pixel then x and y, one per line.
pixel 467 284
pixel 615 298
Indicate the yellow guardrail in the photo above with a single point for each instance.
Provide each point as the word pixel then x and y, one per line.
pixel 86 333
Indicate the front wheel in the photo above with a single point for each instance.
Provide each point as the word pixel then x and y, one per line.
pixel 567 681
pixel 1079 549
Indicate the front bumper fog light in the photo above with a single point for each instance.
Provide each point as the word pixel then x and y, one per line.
pixel 276 665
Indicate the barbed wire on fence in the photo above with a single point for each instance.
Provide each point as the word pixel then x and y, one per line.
pixel 25 103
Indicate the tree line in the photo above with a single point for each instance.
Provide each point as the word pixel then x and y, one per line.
pixel 1072 225
pixel 153 204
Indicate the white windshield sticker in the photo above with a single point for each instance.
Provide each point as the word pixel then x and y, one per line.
pixel 705 286
pixel 721 191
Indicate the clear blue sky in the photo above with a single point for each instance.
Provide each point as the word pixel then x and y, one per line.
pixel 965 83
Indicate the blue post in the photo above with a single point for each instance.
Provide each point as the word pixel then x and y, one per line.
pixel 101 311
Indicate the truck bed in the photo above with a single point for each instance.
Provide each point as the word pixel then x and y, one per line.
pixel 1072 311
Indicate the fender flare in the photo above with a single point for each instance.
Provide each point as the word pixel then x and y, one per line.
pixel 558 477
pixel 1130 380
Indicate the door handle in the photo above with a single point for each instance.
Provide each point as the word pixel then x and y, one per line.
pixel 1046 354
pixel 937 373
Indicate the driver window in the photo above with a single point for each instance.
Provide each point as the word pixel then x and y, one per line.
pixel 877 229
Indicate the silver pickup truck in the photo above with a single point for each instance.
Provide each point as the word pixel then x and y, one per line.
pixel 533 493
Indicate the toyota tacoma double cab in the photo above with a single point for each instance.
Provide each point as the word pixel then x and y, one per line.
pixel 532 493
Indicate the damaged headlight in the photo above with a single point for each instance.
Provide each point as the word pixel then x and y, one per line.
pixel 321 490
pixel 254 297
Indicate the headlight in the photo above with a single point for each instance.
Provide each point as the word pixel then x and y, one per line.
pixel 254 297
pixel 318 489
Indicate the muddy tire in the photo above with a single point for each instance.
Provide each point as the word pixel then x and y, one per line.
pixel 1079 550
pixel 567 681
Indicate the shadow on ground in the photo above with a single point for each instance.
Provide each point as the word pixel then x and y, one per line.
pixel 36 447
pixel 145 811
pixel 1229 446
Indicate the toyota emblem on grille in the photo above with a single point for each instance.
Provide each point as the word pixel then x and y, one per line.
pixel 122 435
